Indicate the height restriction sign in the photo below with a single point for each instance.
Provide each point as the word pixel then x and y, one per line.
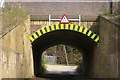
pixel 64 20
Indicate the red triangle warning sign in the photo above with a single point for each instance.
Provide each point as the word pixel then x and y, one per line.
pixel 64 20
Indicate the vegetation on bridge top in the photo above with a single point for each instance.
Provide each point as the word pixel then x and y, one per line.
pixel 12 15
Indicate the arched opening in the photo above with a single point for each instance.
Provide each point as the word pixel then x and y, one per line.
pixel 68 34
pixel 65 37
pixel 63 60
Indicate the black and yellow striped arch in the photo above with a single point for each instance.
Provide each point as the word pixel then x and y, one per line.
pixel 72 27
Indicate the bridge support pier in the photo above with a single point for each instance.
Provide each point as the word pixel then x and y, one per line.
pixel 106 58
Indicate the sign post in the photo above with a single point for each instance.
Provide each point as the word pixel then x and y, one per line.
pixel 65 20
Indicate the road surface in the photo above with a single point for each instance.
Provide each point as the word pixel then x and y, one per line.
pixel 61 69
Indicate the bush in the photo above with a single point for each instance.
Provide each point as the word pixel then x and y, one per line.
pixel 44 67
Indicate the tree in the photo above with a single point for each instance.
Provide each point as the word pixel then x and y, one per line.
pixel 65 54
pixel 66 57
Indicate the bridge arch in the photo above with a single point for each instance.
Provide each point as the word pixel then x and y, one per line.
pixel 71 27
pixel 68 34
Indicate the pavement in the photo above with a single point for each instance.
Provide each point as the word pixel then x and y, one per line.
pixel 61 69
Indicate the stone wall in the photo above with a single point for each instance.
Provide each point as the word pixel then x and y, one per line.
pixel 119 50
pixel 119 38
pixel 0 46
pixel 0 59
pixel 16 52
pixel 105 59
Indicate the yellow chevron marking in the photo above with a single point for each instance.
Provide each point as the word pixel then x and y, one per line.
pixel 81 28
pixel 57 26
pixel 66 27
pixel 35 35
pixel 39 33
pixel 93 36
pixel 48 29
pixel 52 27
pixel 43 30
pixel 31 38
pixel 71 26
pixel 85 31
pixel 89 33
pixel 96 40
pixel 76 27
pixel 62 26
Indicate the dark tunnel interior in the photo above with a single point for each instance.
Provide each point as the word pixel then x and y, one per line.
pixel 66 37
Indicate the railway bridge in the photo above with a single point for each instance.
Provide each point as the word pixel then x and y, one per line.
pixel 100 42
